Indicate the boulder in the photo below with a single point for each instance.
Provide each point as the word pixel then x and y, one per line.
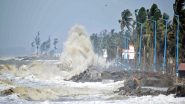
pixel 7 92
pixel 171 90
pixel 180 91
pixel 149 91
pixel 29 93
pixel 90 75
pixel 131 87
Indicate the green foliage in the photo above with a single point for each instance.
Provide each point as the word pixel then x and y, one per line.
pixel 141 17
pixel 32 44
pixel 166 16
pixel 110 41
pixel 37 41
pixel 153 9
pixel 55 43
pixel 179 9
pixel 154 14
pixel 125 20
pixel 45 46
pixel 157 14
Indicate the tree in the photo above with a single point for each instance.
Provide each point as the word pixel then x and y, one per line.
pixel 125 20
pixel 142 14
pixel 48 44
pixel 109 40
pixel 155 12
pixel 94 41
pixel 33 44
pixel 45 46
pixel 166 16
pixel 153 9
pixel 179 9
pixel 37 41
pixel 55 43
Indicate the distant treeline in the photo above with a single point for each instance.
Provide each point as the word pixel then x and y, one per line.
pixel 42 48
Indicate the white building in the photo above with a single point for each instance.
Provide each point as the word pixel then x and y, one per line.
pixel 129 53
pixel 105 55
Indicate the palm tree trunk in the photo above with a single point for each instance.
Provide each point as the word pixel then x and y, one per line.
pixel 37 50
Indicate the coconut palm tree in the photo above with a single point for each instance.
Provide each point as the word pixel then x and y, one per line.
pixel 126 19
pixel 179 9
pixel 32 44
pixel 37 41
pixel 55 43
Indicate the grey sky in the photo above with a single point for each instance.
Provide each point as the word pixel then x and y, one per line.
pixel 21 19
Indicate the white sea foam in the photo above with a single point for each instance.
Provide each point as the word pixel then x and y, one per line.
pixel 78 53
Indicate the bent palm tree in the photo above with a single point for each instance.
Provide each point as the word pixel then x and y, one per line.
pixel 126 19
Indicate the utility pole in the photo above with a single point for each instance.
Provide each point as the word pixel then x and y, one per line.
pixel 140 40
pixel 165 40
pixel 154 44
pixel 177 46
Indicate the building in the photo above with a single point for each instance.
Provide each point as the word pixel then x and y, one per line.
pixel 182 70
pixel 129 53
pixel 105 55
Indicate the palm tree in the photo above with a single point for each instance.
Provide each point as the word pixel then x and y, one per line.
pixel 45 46
pixel 37 41
pixel 179 9
pixel 142 14
pixel 33 44
pixel 125 20
pixel 55 43
pixel 48 44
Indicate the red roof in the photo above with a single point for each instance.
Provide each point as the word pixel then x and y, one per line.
pixel 182 66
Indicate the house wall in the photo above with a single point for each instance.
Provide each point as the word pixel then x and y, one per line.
pixel 129 53
pixel 181 74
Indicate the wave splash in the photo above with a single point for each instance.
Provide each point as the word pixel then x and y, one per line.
pixel 78 52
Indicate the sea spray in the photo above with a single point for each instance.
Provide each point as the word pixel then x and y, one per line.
pixel 78 53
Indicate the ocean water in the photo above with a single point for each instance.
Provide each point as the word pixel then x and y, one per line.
pixel 69 92
pixel 44 81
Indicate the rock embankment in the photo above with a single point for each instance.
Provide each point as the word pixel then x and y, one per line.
pixel 132 87
pixel 178 90
pixel 96 74
pixel 151 85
